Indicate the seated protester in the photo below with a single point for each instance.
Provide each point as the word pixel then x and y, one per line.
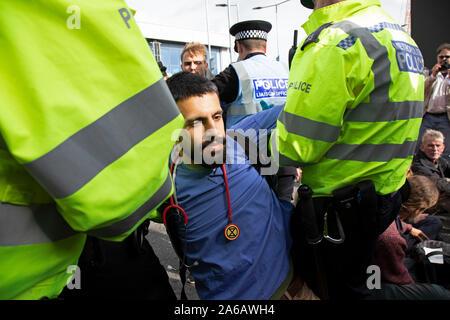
pixel 416 228
pixel 428 162
pixel 391 248
pixel 237 236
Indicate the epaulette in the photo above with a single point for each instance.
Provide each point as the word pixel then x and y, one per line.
pixel 314 37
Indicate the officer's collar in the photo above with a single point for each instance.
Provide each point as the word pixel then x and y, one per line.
pixel 253 54
pixel 336 12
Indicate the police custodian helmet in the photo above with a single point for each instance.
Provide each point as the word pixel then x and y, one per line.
pixel 250 29
pixel 308 3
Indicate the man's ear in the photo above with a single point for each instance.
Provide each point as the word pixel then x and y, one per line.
pixel 422 148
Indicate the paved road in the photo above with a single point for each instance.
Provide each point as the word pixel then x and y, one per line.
pixel 161 244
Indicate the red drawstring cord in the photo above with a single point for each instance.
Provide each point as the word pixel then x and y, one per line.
pixel 172 203
pixel 171 174
pixel 174 206
pixel 228 191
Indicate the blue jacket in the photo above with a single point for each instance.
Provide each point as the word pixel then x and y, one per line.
pixel 255 264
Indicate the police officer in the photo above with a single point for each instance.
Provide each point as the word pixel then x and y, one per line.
pixel 255 82
pixel 351 122
pixel 77 145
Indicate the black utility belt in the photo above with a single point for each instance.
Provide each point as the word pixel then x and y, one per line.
pixel 389 195
pixel 360 197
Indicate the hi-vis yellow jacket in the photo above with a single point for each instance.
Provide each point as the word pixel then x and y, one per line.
pixel 354 100
pixel 86 121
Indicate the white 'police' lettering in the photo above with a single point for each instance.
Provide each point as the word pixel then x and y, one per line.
pixel 270 88
pixel 409 58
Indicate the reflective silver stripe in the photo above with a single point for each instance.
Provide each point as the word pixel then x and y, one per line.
pixel 244 109
pixel 248 106
pixel 390 111
pixel 379 108
pixel 372 152
pixel 309 128
pixel 128 223
pixel 73 163
pixel 39 223
pixel 381 64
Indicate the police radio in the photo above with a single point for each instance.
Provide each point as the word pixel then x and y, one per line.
pixel 293 49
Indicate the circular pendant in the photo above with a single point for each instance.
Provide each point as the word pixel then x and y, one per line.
pixel 232 232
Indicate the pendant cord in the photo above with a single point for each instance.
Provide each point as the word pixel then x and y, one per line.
pixel 228 191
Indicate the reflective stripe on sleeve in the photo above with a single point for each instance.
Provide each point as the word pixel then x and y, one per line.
pixel 381 63
pixel 371 152
pixel 390 111
pixel 309 128
pixel 38 223
pixel 128 223
pixel 379 108
pixel 67 168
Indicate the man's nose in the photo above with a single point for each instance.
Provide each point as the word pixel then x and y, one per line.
pixel 211 126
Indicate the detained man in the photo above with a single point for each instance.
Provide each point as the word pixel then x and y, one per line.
pixel 236 238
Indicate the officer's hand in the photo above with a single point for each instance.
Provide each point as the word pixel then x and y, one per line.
pixel 418 234
pixel 299 175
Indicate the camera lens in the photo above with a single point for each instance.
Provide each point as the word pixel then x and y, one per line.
pixel 445 66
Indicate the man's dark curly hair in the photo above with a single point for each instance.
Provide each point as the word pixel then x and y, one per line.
pixel 184 85
pixel 442 47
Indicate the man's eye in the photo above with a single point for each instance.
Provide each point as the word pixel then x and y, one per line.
pixel 218 117
pixel 196 123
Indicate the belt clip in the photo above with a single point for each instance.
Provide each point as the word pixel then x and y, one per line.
pixel 340 229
